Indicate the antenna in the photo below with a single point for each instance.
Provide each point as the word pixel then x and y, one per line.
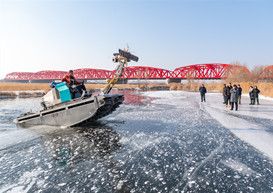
pixel 127 48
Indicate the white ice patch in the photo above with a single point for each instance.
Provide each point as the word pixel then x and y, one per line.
pixel 264 110
pixel 261 97
pixel 167 97
pixel 165 94
pixel 25 182
pixel 21 135
pixel 252 132
pixel 229 121
pixel 120 184
pixel 13 137
pixel 140 141
pixel 23 105
pixel 239 167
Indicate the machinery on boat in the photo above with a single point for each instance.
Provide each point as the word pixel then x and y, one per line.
pixel 61 110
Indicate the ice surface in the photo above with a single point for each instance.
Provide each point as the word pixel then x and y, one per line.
pixel 14 137
pixel 253 124
pixel 248 123
pixel 25 182
pixel 238 166
pixel 160 141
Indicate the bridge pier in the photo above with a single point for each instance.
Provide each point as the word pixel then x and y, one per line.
pixel 173 80
pixel 120 81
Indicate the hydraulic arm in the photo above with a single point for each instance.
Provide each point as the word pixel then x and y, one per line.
pixel 122 57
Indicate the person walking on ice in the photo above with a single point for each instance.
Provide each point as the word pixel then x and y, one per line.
pixel 203 91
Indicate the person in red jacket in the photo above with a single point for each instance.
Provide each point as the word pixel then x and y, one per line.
pixel 70 79
pixel 73 84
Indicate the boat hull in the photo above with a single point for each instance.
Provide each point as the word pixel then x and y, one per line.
pixel 73 113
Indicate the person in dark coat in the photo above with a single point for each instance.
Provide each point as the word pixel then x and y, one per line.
pixel 240 90
pixel 234 97
pixel 203 91
pixel 229 87
pixel 251 95
pixel 256 93
pixel 225 90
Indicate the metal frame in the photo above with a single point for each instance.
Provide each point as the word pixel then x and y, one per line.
pixel 195 71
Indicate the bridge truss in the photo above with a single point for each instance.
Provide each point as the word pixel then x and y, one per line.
pixel 196 71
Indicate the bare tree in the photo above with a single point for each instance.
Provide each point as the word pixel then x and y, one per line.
pixel 257 73
pixel 238 73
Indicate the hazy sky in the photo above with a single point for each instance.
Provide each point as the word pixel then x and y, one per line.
pixel 62 35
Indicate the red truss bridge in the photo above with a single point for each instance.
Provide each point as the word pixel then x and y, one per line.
pixel 195 71
pixel 203 71
pixel 145 72
pixel 90 73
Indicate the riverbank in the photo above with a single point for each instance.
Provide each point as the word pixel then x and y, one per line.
pixel 38 89
pixel 23 90
pixel 266 88
pixel 21 94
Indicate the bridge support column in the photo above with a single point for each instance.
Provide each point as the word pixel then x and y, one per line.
pixel 120 81
pixel 173 80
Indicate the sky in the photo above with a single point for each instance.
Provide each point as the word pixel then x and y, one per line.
pixel 62 35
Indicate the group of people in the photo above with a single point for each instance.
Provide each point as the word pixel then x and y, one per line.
pixel 232 95
pixel 254 95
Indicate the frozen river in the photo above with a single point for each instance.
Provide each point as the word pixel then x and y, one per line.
pixel 162 141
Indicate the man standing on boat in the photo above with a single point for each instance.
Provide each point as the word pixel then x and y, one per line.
pixel 73 84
